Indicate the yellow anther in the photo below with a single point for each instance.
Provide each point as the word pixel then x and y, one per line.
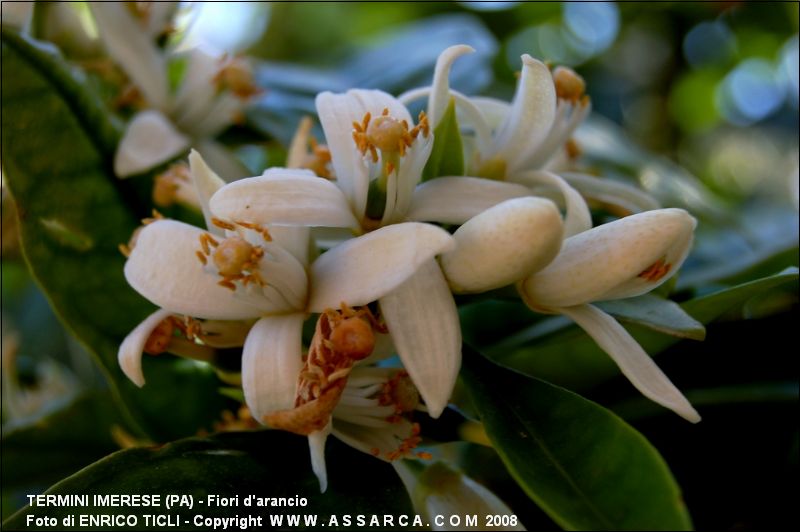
pixel 569 85
pixel 236 76
pixel 401 393
pixel 232 255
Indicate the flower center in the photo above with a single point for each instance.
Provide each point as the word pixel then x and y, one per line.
pixel 401 393
pixel 235 258
pixel 342 337
pixel 569 85
pixel 387 134
pixel 169 184
pixel 656 271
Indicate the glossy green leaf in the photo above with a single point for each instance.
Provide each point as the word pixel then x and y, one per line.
pixel 565 355
pixel 264 464
pixel 579 462
pixel 447 155
pixel 44 450
pixel 58 143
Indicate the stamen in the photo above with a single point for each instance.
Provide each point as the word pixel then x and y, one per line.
pixel 168 184
pixel 656 271
pixel 573 149
pixel 569 85
pixel 263 231
pixel 236 76
pixel 155 217
pixel 159 339
pixel 222 224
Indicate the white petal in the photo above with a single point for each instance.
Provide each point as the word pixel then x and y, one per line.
pixel 223 112
pixel 503 245
pixel 164 268
pixel 284 197
pixel 133 49
pixel 316 445
pixel 197 89
pixel 494 111
pixel 577 218
pixel 635 364
pixel 423 321
pixel 454 200
pixel 221 160
pixel 607 262
pixel 298 149
pixel 206 182
pixel 440 89
pixel 337 112
pixel 149 140
pixel 409 175
pixel 612 191
pixel 532 112
pixel 271 362
pixel 159 15
pixel 295 240
pixel 366 268
pixel 130 351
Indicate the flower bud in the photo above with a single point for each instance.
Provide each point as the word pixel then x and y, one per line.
pixel 624 258
pixel 503 244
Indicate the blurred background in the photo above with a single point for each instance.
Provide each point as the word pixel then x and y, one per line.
pixel 697 102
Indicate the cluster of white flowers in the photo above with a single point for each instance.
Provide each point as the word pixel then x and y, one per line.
pixel 385 286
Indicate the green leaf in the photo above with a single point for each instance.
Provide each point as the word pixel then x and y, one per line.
pixel 58 144
pixel 656 313
pixel 583 465
pixel 447 154
pixel 569 357
pixel 47 449
pixel 264 463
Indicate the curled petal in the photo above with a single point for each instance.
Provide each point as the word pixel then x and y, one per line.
pixel 423 321
pixel 206 182
pixel 440 90
pixel 130 351
pixel 503 244
pixel 577 218
pixel 284 197
pixel 316 445
pixel 454 200
pixel 624 258
pixel 149 140
pixel 532 113
pixel 632 360
pixel 164 268
pixel 628 198
pixel 366 268
pixel 271 363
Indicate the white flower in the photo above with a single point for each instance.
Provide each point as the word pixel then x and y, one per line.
pixel 210 97
pixel 377 155
pixel 625 258
pixel 514 142
pixel 241 271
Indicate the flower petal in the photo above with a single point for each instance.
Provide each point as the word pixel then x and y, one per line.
pixel 337 112
pixel 423 321
pixel 132 48
pixel 532 112
pixel 454 200
pixel 440 89
pixel 503 245
pixel 130 351
pixel 577 218
pixel 635 364
pixel 164 268
pixel 624 258
pixel 366 268
pixel 284 197
pixel 271 362
pixel 612 192
pixel 197 89
pixel 149 140
pixel 206 182
pixel 409 175
pixel 316 445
